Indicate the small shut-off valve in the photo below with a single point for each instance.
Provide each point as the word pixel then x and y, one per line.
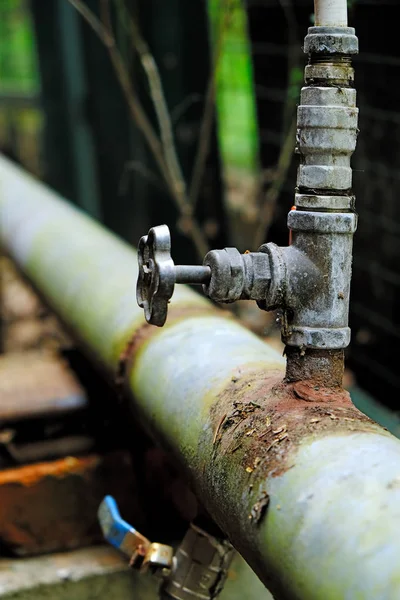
pixel 196 569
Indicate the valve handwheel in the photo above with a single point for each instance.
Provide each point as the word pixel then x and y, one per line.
pixel 156 279
pixel 158 274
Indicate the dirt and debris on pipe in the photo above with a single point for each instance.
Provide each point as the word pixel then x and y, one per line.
pixel 305 486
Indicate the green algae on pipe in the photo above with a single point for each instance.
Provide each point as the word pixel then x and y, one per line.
pixel 306 487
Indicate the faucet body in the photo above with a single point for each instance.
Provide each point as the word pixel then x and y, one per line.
pixel 309 280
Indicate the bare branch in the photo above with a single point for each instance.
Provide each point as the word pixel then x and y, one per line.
pixel 160 104
pixel 141 169
pixel 163 151
pixel 93 21
pixel 136 109
pixel 188 223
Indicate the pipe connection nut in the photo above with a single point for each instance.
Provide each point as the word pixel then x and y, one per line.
pixel 236 276
pixel 331 40
pixel 327 120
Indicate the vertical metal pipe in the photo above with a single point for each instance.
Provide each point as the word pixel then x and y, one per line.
pixel 330 13
pixel 324 221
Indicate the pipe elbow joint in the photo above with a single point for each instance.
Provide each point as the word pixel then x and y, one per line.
pixel 236 276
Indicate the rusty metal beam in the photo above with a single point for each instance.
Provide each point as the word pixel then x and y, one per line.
pixel 306 487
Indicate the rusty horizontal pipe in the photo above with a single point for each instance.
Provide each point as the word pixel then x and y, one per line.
pixel 306 487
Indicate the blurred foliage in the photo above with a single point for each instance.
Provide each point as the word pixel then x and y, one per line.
pixel 20 125
pixel 296 78
pixel 18 68
pixel 236 106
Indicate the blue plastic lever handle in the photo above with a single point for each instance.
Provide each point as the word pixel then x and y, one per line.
pixel 114 528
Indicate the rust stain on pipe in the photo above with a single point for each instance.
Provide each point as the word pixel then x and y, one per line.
pixel 142 335
pixel 322 367
pixel 264 419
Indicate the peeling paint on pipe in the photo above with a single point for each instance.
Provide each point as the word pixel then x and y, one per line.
pixel 306 487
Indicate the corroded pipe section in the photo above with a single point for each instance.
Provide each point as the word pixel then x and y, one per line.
pixel 305 486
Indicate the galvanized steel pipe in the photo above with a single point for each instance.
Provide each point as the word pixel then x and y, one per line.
pixel 305 486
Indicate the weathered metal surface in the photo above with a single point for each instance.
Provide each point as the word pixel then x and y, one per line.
pixel 322 495
pixel 319 296
pixel 158 274
pixel 322 367
pixel 37 384
pixel 239 443
pixel 52 506
pixel 313 201
pixel 309 280
pixel 327 130
pixel 200 567
pixel 331 74
pixel 236 276
pixel 318 261
pixel 331 40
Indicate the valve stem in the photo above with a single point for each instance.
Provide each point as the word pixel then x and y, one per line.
pixel 192 274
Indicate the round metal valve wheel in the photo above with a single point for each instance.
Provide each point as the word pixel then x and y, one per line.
pixel 156 279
